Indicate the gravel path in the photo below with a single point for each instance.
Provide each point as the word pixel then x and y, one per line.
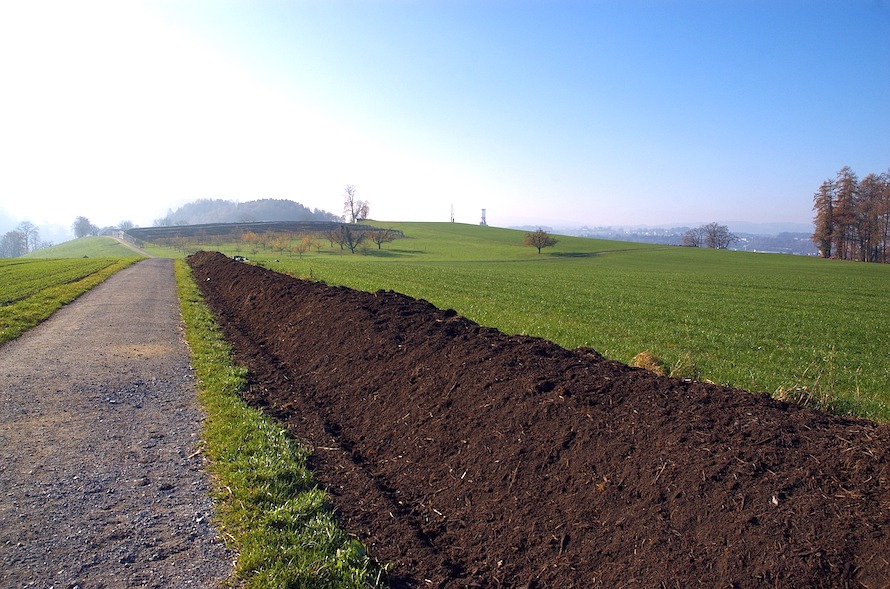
pixel 101 481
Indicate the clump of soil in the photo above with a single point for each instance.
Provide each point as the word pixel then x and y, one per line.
pixel 467 457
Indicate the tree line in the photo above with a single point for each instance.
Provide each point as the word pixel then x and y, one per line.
pixel 852 217
pixel 25 238
pixel 709 235
pixel 346 236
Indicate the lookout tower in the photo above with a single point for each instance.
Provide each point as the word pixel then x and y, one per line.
pixel 483 222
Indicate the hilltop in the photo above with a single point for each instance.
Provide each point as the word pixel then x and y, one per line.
pixel 205 210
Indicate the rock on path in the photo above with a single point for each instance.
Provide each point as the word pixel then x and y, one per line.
pixel 101 481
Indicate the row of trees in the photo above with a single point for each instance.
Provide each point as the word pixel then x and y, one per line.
pixel 852 217
pixel 347 237
pixel 710 235
pixel 26 237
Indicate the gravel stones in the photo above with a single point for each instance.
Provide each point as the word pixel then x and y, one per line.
pixel 101 480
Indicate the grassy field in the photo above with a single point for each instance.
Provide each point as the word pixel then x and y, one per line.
pixel 90 247
pixel 32 289
pixel 762 322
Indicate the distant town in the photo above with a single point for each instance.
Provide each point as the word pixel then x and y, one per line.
pixel 783 242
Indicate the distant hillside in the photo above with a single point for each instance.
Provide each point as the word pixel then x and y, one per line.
pixel 204 211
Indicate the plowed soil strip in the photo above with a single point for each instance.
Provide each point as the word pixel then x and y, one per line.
pixel 469 457
pixel 102 484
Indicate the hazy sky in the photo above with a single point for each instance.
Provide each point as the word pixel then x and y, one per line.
pixel 543 112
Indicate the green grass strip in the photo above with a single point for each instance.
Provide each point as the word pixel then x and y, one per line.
pixel 268 505
pixel 24 314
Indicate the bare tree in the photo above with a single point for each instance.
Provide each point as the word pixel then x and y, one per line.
pixel 694 237
pixel 355 210
pixel 868 218
pixel 884 218
pixel 539 239
pixel 718 236
pixel 846 189
pixel 823 207
pixel 335 236
pixel 351 237
pixel 32 235
pixel 711 235
pixel 383 236
pixel 364 210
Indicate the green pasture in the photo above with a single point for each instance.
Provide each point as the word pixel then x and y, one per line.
pixel 33 289
pixel 91 247
pixel 762 322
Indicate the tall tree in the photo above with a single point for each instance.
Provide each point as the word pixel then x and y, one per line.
pixel 868 219
pixel 823 207
pixel 884 218
pixel 351 238
pixel 846 188
pixel 32 235
pixel 718 236
pixel 354 209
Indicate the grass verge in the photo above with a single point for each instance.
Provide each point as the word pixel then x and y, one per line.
pixel 268 506
pixel 21 315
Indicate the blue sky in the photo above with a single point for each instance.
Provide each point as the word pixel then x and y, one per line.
pixel 550 112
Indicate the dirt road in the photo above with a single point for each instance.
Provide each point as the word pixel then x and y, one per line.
pixel 101 481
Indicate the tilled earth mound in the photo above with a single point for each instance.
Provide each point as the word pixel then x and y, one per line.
pixel 467 457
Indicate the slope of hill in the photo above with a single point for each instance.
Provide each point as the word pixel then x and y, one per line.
pixel 86 247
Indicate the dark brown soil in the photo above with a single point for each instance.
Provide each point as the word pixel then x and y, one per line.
pixel 468 457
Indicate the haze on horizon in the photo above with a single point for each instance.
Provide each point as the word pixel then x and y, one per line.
pixel 562 113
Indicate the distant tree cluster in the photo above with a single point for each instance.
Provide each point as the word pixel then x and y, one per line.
pixel 852 217
pixel 82 227
pixel 711 235
pixel 205 211
pixel 22 240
